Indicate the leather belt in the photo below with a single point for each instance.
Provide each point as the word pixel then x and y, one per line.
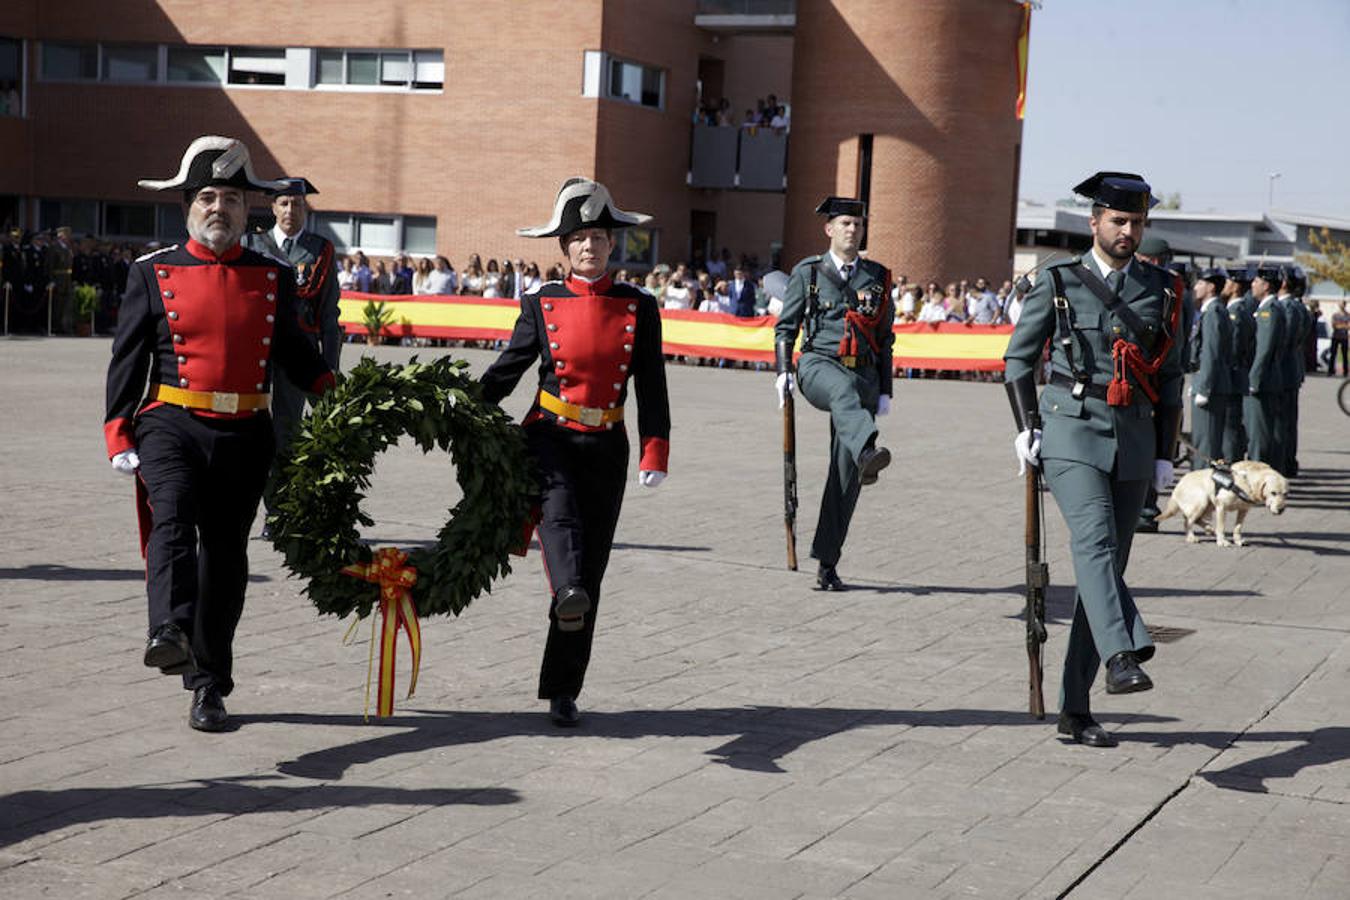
pixel 590 416
pixel 215 401
pixel 1079 389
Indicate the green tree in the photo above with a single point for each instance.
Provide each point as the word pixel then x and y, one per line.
pixel 1329 262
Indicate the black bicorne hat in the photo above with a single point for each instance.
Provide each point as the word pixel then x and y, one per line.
pixel 583 203
pixel 294 187
pixel 213 161
pixel 1124 191
pixel 1215 276
pixel 842 206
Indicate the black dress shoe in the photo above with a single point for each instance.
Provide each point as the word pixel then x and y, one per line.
pixel 570 605
pixel 1085 730
pixel 828 579
pixel 1146 526
pixel 872 461
pixel 1123 675
pixel 208 710
pixel 563 712
pixel 169 650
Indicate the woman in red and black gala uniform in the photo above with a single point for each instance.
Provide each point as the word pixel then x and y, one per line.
pixel 590 336
pixel 205 321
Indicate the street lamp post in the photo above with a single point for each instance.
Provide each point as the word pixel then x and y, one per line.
pixel 1270 190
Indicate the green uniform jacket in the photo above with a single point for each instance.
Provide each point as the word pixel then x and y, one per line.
pixel 1086 429
pixel 1244 345
pixel 825 324
pixel 1265 376
pixel 1297 323
pixel 321 314
pixel 1212 352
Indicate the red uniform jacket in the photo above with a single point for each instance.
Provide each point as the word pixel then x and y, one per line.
pixel 192 320
pixel 590 338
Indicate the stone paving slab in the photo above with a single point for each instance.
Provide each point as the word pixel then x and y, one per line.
pixel 744 736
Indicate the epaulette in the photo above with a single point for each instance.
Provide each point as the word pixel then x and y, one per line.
pixel 1069 261
pixel 809 261
pixel 153 253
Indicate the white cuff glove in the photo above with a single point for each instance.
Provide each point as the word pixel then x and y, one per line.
pixel 1162 475
pixel 884 405
pixel 784 384
pixel 1027 448
pixel 126 462
pixel 1201 400
pixel 651 479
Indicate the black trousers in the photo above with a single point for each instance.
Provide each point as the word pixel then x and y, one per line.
pixel 583 477
pixel 204 478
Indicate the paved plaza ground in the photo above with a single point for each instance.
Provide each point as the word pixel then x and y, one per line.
pixel 743 737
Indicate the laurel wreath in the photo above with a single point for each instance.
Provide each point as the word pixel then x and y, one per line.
pixel 316 505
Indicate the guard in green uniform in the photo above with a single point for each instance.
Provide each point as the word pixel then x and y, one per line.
pixel 1240 363
pixel 1111 412
pixel 60 260
pixel 1265 381
pixel 1209 355
pixel 1297 322
pixel 842 304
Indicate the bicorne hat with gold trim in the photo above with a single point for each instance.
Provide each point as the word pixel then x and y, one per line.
pixel 213 161
pixel 583 203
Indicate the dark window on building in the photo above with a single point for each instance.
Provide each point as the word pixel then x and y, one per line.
pixel 130 220
pixel 11 77
pixel 197 65
pixel 80 215
pixel 70 62
pixel 130 62
pixel 257 65
pixel 636 83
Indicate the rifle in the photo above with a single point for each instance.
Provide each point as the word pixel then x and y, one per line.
pixel 790 478
pixel 1038 576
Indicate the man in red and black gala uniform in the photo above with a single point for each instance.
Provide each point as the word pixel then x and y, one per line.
pixel 589 336
pixel 205 321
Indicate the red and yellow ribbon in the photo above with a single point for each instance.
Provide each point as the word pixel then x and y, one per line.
pixel 387 569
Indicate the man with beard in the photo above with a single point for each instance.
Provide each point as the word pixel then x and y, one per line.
pixel 1110 413
pixel 843 304
pixel 314 260
pixel 204 322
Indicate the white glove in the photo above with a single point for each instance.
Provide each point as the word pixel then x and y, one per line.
pixel 784 384
pixel 127 462
pixel 651 479
pixel 1027 448
pixel 1162 475
pixel 1201 401
pixel 884 405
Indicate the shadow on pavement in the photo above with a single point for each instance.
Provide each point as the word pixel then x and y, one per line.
pixel 1320 747
pixel 40 812
pixel 760 736
pixel 51 572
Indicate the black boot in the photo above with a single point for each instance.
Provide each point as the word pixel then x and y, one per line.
pixel 169 650
pixel 208 710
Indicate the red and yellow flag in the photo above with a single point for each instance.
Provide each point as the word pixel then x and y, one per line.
pixel 1023 49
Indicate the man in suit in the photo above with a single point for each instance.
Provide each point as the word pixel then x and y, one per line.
pixel 742 292
pixel 842 303
pixel 1111 412
pixel 1265 380
pixel 1210 360
pixel 314 260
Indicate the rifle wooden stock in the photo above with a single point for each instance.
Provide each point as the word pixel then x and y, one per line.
pixel 790 478
pixel 1038 576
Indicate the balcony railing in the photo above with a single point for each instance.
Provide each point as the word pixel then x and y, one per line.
pixel 731 158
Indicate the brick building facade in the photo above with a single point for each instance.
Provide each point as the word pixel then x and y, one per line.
pixel 501 101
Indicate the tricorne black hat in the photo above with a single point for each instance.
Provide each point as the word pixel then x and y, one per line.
pixel 1269 272
pixel 1124 191
pixel 1293 275
pixel 294 187
pixel 213 161
pixel 842 206
pixel 583 203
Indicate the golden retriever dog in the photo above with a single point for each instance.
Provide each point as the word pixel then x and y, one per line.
pixel 1197 495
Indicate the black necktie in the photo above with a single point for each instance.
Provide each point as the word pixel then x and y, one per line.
pixel 847 271
pixel 286 246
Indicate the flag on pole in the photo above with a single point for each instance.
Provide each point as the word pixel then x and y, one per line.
pixel 1023 42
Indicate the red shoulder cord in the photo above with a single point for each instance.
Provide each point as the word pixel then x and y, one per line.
pixel 1129 356
pixel 311 289
pixel 856 323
